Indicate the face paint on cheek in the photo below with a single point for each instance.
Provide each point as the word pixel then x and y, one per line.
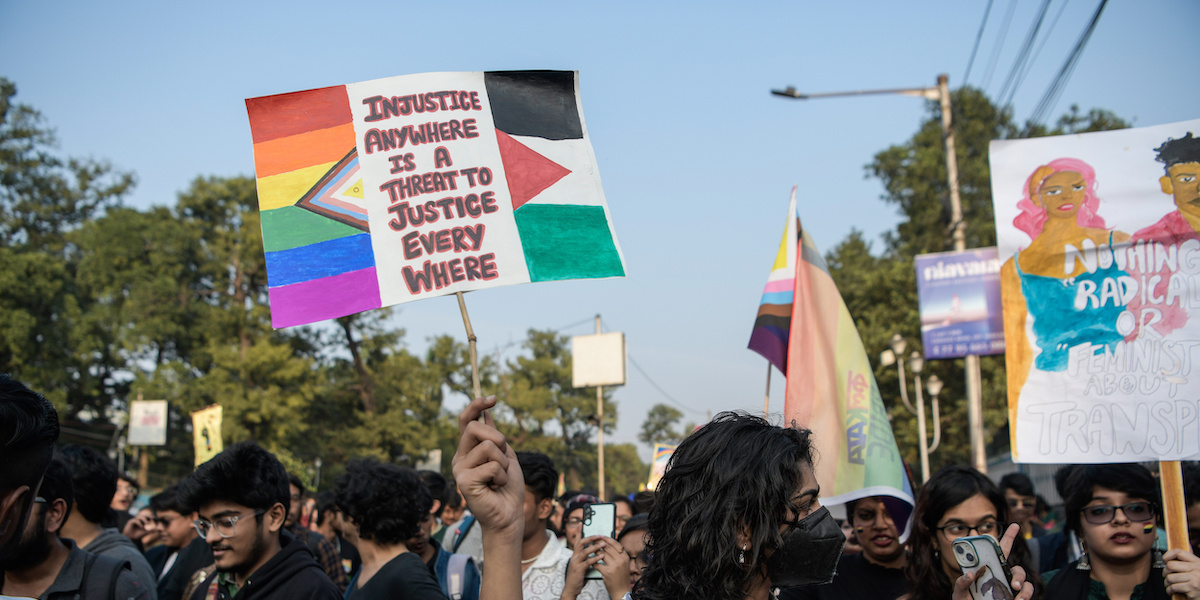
pixel 1148 528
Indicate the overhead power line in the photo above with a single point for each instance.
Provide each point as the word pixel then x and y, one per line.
pixel 1045 38
pixel 1050 98
pixel 1009 89
pixel 987 77
pixel 978 36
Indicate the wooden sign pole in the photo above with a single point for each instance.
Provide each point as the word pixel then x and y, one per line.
pixel 1170 476
pixel 462 306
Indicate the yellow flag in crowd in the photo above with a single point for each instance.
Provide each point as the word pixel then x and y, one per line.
pixel 206 433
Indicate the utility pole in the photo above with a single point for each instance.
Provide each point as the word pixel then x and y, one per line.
pixel 941 93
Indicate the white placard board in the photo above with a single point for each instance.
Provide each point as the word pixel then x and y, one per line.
pixel 147 423
pixel 598 359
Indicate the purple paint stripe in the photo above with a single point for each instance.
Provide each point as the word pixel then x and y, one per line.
pixel 324 298
pixel 769 344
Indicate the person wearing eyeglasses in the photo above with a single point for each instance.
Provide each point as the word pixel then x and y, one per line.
pixel 181 553
pixel 957 502
pixel 1022 504
pixel 241 498
pixel 1115 511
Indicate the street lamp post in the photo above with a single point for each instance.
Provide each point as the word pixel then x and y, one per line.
pixel 941 93
pixel 917 364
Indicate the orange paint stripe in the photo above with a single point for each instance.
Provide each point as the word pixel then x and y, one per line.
pixel 293 152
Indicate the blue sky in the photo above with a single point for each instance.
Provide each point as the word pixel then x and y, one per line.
pixel 696 156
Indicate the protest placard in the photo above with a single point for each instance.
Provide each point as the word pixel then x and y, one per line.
pixel 387 191
pixel 1098 237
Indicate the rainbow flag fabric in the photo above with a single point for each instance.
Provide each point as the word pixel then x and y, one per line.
pixel 831 390
pixel 773 324
pixel 388 191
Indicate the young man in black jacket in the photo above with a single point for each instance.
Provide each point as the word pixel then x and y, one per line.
pixel 242 498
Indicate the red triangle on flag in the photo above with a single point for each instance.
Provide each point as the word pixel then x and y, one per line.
pixel 529 173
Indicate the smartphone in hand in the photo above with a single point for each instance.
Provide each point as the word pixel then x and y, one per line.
pixel 982 551
pixel 599 519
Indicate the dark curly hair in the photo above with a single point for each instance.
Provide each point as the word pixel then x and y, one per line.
pixel 540 475
pixel 386 501
pixel 1132 479
pixel 738 471
pixel 244 473
pixel 1178 151
pixel 94 478
pixel 950 486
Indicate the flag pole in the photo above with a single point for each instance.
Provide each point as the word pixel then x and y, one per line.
pixel 462 307
pixel 767 397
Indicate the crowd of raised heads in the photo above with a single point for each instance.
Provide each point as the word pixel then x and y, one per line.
pixel 737 516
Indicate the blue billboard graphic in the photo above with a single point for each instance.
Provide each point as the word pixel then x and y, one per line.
pixel 959 296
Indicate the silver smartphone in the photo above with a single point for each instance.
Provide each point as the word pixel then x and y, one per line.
pixel 599 519
pixel 982 551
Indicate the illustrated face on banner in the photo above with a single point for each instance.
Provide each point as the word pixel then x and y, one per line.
pixel 1101 293
pixel 1183 183
pixel 1061 194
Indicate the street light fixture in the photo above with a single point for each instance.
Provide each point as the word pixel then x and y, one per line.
pixel 888 357
pixel 933 385
pixel 940 93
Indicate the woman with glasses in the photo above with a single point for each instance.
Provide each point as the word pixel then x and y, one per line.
pixel 957 502
pixel 1115 509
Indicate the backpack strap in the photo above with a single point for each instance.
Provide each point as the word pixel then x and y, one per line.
pixel 101 573
pixel 456 575
pixel 462 530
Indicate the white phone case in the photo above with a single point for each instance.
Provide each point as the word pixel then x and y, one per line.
pixel 976 551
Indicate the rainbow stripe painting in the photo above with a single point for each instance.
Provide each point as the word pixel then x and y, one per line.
pixel 394 190
pixel 320 264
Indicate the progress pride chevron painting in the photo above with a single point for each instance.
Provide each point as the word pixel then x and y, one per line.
pixel 388 191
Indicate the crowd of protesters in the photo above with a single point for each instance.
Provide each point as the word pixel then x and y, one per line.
pixel 736 516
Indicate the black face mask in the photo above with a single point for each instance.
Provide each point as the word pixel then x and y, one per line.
pixel 810 552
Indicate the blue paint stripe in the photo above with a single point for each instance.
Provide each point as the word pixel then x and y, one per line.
pixel 324 259
pixel 777 298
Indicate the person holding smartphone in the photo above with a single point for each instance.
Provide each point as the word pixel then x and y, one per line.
pixel 597 557
pixel 958 502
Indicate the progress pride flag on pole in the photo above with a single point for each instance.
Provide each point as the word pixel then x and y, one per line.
pixel 832 391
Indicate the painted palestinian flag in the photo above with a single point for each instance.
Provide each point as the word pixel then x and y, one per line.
pixel 388 191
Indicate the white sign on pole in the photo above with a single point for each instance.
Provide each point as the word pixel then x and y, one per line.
pixel 598 360
pixel 147 423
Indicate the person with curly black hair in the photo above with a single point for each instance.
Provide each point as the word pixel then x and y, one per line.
pixel 94 478
pixel 385 504
pixel 241 497
pixel 736 515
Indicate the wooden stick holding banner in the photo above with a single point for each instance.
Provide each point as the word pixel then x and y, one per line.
pixel 1170 477
pixel 462 306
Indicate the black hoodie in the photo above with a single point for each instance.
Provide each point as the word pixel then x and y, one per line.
pixel 292 574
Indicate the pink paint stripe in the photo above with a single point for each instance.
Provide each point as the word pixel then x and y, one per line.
pixel 324 298
pixel 783 285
